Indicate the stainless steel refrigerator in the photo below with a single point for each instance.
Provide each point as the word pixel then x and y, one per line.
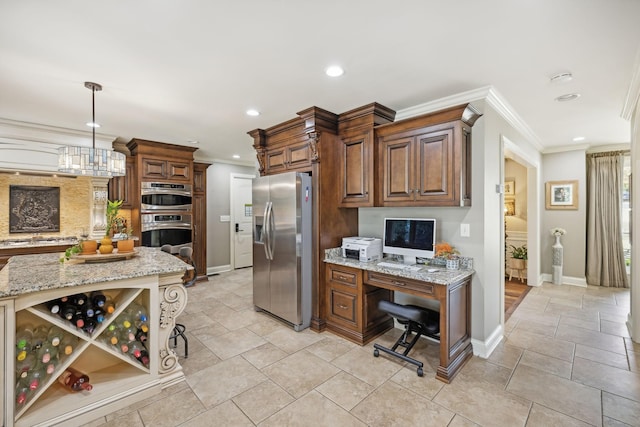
pixel 282 267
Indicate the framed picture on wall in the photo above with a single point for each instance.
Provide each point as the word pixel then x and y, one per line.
pixel 509 188
pixel 561 195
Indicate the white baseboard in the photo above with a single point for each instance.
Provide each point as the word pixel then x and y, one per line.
pixel 218 269
pixel 484 348
pixel 567 280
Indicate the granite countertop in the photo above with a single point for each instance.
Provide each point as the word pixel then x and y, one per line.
pixel 37 242
pixel 439 275
pixel 24 274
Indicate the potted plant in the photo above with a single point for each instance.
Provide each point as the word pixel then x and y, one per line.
pixel 125 243
pixel 518 259
pixel 445 251
pixel 106 244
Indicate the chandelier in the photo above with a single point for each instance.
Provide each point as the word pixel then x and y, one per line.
pixel 91 161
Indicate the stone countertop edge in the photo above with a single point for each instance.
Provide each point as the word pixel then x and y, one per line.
pixel 442 275
pixel 25 274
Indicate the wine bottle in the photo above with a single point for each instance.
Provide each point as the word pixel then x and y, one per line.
pixel 40 336
pixel 137 350
pixel 137 312
pixel 142 336
pixel 89 325
pixel 47 352
pixel 124 321
pixel 68 344
pixel 88 310
pixel 74 380
pixel 109 306
pixel 112 336
pixel 50 367
pixel 23 392
pixel 67 310
pixel 78 319
pixel 35 377
pixel 54 306
pixel 25 365
pixel 99 315
pixel 55 335
pixel 79 299
pixel 98 299
pixel 128 334
pixel 24 336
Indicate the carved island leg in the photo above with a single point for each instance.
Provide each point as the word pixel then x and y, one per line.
pixel 173 300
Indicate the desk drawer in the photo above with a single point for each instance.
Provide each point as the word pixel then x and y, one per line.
pixel 344 306
pixel 397 283
pixel 344 275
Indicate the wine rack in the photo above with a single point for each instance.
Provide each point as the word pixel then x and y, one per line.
pixel 111 372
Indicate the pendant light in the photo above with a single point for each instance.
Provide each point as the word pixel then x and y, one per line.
pixel 91 161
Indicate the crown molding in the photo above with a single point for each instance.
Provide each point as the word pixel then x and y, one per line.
pixel 32 132
pixel 487 93
pixel 633 93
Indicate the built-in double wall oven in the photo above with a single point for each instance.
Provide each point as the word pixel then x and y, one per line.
pixel 166 215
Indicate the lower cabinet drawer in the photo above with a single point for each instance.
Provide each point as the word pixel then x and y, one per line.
pixel 398 283
pixel 343 305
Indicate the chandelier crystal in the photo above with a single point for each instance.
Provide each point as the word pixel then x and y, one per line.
pixel 91 161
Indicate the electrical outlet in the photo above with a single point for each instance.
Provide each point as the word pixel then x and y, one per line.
pixel 465 230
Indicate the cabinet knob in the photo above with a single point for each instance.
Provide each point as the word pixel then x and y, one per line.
pixel 342 306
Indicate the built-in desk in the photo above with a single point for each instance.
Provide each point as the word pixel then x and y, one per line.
pixel 354 289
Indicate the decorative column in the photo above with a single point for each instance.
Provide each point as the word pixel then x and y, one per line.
pixel 557 252
pixel 98 207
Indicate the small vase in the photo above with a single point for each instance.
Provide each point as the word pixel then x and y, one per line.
pixel 125 246
pixel 557 258
pixel 453 264
pixel 89 247
pixel 106 245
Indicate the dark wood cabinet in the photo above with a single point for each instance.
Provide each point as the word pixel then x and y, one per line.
pixel 352 307
pixel 199 203
pixel 157 169
pixel 126 187
pixel 158 161
pixel 426 160
pixel 357 153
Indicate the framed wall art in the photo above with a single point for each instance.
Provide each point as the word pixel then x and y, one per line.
pixel 562 195
pixel 509 188
pixel 34 209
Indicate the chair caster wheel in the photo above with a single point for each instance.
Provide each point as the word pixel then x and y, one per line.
pixel 420 372
pixel 376 353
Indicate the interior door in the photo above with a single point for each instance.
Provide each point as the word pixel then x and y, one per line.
pixel 242 208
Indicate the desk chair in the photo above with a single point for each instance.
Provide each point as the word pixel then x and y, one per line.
pixel 416 319
pixel 179 330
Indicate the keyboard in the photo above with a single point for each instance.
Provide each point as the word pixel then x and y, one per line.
pixel 398 266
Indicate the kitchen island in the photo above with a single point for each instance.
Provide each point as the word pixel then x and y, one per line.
pixel 355 288
pixel 151 279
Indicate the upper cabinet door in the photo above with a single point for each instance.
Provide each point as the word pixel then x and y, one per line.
pixel 435 163
pixel 397 164
pixel 357 170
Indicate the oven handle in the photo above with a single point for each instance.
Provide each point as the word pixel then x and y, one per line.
pixel 151 208
pixel 166 226
pixel 151 191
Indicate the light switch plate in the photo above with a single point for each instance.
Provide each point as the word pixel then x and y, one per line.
pixel 225 218
pixel 465 230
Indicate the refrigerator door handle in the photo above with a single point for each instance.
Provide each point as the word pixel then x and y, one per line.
pixel 264 236
pixel 272 231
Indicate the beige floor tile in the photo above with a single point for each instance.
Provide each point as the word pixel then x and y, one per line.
pixel 620 318
pixel 237 302
pixel 240 319
pixel 621 409
pixel 605 308
pixel 313 409
pixel 538 316
pixel 214 330
pixel 329 348
pixel 562 349
pixel 478 370
pixel 169 391
pixel 224 380
pixel 483 403
pixel 614 328
pixel 607 378
pixel 541 416
pixel 264 355
pixel 198 360
pixel 131 419
pixel 233 343
pixel 300 372
pixel 563 395
pixel 565 311
pixel 610 422
pixel 172 410
pixel 460 421
pixel 536 328
pixel 591 324
pixel 392 404
pixel 226 414
pixel 345 390
pixel 616 360
pixel 591 338
pixel 291 341
pixel 535 302
pixel 196 321
pixel 262 401
pixel 569 301
pixel 360 363
pixel 506 355
pixel 264 325
pixel 549 364
pixel 426 386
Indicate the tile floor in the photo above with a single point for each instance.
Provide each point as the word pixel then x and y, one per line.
pixel 566 360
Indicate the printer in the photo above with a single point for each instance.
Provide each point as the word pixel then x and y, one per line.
pixel 363 249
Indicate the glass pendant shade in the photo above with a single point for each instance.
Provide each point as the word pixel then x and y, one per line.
pixel 91 161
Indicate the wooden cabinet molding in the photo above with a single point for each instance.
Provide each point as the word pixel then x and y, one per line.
pixel 426 160
pixel 199 203
pixel 157 161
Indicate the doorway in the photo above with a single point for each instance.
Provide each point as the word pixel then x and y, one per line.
pixel 241 243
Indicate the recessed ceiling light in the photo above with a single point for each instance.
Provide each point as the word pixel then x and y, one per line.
pixel 578 138
pixel 236 156
pixel 253 112
pixel 193 141
pixel 334 71
pixel 568 97
pixel 93 125
pixel 561 78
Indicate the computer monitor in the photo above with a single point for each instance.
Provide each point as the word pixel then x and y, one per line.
pixel 410 237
